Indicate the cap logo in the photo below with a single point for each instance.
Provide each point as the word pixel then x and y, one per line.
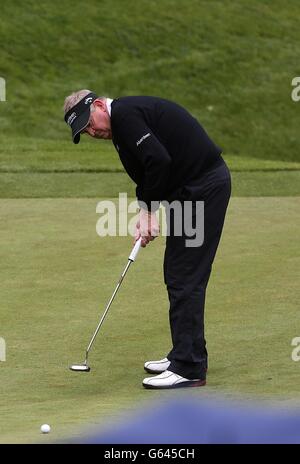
pixel 71 118
pixel 78 115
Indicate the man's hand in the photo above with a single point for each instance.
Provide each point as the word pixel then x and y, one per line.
pixel 147 227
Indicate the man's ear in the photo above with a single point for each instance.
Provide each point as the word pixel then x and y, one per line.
pixel 100 103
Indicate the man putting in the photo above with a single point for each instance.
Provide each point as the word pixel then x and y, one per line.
pixel 170 157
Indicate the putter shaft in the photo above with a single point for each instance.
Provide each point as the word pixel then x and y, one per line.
pixel 131 259
pixel 106 309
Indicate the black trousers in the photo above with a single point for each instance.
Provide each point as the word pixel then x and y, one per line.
pixel 187 270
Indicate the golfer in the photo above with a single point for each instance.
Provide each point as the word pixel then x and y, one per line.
pixel 170 157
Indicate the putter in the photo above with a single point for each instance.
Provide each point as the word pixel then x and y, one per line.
pixel 84 367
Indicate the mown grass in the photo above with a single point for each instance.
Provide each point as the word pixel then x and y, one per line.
pixel 109 185
pixel 28 155
pixel 231 64
pixel 56 276
pixel 36 168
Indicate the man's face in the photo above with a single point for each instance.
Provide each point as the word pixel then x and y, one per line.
pixel 99 123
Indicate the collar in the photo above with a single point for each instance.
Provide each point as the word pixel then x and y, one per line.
pixel 108 105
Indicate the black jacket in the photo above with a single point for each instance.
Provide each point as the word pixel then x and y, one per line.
pixel 161 146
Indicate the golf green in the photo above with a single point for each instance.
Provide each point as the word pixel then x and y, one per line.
pixel 57 275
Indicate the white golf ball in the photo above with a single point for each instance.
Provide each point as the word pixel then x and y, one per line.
pixel 45 428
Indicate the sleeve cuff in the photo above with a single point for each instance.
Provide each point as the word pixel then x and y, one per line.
pixel 150 206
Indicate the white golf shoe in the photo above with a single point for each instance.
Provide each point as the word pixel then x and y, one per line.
pixel 169 379
pixel 157 367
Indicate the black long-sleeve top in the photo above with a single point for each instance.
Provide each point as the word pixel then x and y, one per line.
pixel 161 146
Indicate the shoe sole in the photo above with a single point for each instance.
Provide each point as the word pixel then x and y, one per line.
pixel 192 383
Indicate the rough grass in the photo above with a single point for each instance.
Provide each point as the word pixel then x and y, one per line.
pixel 230 63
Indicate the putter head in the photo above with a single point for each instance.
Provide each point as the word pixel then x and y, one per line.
pixel 80 368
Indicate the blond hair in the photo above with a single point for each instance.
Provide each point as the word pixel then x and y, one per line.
pixel 75 97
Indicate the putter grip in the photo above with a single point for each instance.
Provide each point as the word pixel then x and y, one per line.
pixel 135 250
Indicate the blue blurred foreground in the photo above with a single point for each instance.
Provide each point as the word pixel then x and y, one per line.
pixel 193 421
